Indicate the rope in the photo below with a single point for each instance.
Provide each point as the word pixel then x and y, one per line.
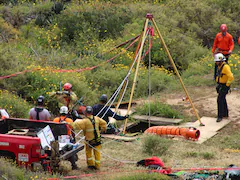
pixel 113 97
pixel 70 70
pixel 114 159
pixel 149 82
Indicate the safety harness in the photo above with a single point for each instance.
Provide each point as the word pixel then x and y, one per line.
pixel 38 110
pixel 97 139
pixel 219 72
pixel 62 120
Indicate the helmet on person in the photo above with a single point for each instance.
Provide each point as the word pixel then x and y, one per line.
pixel 67 86
pixel 223 28
pixel 64 110
pixel 219 57
pixel 40 100
pixel 89 110
pixel 103 98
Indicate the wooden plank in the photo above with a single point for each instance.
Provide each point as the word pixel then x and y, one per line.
pixel 18 131
pixel 122 112
pixel 121 138
pixel 210 129
pixel 157 120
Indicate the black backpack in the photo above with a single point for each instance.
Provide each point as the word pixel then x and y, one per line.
pixel 38 110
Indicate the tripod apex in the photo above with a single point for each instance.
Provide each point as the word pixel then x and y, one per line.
pixel 149 16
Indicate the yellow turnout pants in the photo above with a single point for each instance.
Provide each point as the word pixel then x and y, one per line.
pixel 89 155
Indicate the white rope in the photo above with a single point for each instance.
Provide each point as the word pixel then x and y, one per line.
pixel 122 161
pixel 149 82
pixel 121 97
pixel 113 97
pixel 77 133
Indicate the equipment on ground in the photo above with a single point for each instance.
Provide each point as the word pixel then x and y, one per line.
pixel 188 133
pixel 30 143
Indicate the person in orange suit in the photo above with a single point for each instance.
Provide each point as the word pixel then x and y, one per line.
pixel 64 119
pixel 223 43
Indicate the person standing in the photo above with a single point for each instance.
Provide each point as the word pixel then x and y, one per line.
pixel 224 79
pixel 223 43
pixel 39 112
pixel 91 126
pixel 64 119
pixel 67 98
pixel 105 113
pixel 3 114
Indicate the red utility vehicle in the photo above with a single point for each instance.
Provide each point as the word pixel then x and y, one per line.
pixel 19 141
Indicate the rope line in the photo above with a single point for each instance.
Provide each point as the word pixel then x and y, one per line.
pixel 113 97
pixel 71 70
pixel 114 159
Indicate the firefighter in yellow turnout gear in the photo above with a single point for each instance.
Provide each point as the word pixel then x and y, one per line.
pixel 91 126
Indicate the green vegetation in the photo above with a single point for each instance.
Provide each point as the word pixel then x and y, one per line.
pixel 51 42
pixel 9 170
pixel 155 145
pixel 41 38
pixel 144 176
pixel 158 109
pixel 204 155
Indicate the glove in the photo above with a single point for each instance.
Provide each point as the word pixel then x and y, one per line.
pixel 127 116
pixel 59 92
pixel 52 93
pixel 66 92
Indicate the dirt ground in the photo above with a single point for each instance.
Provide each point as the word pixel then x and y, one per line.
pixel 121 157
pixel 205 102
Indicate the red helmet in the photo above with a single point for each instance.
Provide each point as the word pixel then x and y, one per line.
pixel 67 86
pixel 223 28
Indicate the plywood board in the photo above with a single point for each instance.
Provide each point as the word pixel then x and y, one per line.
pixel 157 120
pixel 122 112
pixel 121 138
pixel 210 129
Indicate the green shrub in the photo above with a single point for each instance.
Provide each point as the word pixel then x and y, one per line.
pixel 158 109
pixel 7 31
pixel 191 154
pixel 207 155
pixel 9 170
pixel 144 176
pixel 14 105
pixel 155 145
pixel 160 79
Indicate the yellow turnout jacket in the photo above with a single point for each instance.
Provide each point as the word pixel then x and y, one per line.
pixel 87 126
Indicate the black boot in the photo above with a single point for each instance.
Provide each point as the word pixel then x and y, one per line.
pixel 219 119
pixel 75 167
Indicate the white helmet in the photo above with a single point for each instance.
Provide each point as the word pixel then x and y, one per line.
pixel 64 110
pixel 219 57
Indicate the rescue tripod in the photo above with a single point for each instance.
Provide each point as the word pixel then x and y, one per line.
pixel 149 17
